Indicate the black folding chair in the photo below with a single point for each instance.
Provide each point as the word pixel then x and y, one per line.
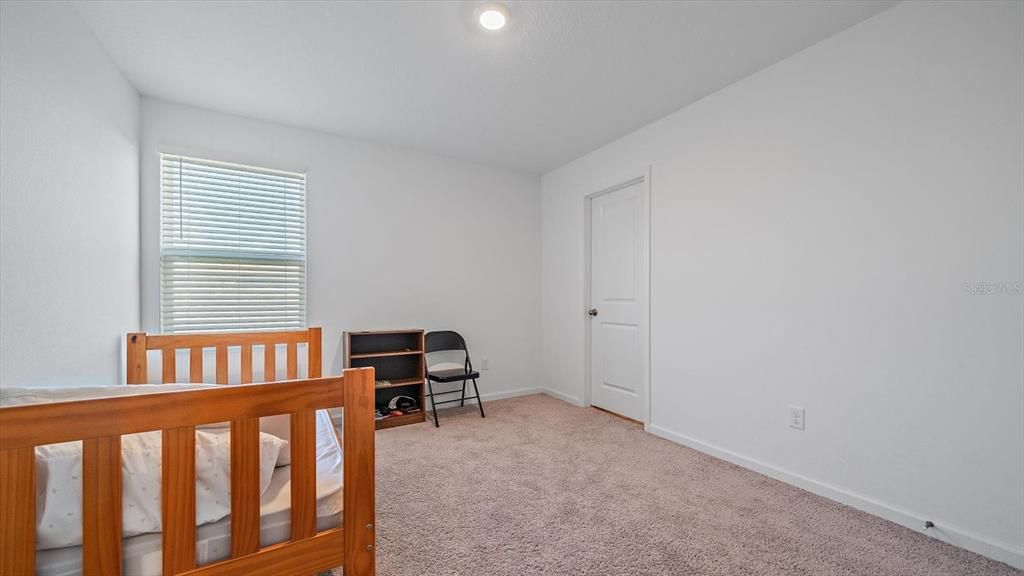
pixel 448 341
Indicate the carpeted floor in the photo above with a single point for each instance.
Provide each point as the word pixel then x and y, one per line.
pixel 542 487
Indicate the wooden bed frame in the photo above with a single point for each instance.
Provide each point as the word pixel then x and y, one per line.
pixel 100 423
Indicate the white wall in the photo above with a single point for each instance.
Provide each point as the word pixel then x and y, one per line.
pixel 813 227
pixel 395 238
pixel 69 201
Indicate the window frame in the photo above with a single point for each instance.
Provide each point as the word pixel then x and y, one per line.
pixel 218 159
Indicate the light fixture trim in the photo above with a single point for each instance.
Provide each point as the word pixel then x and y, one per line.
pixel 492 16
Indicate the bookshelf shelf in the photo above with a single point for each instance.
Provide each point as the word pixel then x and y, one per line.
pixel 399 382
pixel 397 357
pixel 386 354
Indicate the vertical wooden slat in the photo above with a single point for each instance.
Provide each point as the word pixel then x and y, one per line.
pixel 18 511
pixel 293 360
pixel 269 362
pixel 422 399
pixel 222 364
pixel 359 488
pixel 195 367
pixel 169 362
pixel 303 449
pixel 101 505
pixel 245 486
pixel 179 500
pixel 313 353
pixel 137 365
pixel 348 350
pixel 246 377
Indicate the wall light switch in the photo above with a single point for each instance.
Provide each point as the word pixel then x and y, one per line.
pixel 796 417
pixel 485 363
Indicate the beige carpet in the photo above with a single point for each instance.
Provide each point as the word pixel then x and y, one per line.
pixel 542 487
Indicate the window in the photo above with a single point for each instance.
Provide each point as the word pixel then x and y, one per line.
pixel 232 247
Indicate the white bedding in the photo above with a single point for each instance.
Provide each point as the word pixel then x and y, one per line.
pixel 142 554
pixel 59 488
pixel 59 484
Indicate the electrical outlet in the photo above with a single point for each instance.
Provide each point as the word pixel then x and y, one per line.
pixel 485 363
pixel 796 417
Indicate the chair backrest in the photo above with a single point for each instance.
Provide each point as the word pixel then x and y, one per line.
pixel 444 340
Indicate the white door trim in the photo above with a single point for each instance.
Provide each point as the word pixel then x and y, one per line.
pixel 643 176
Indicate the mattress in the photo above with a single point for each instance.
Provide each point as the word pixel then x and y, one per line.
pixel 142 554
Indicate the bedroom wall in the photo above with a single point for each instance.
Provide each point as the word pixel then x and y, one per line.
pixel 69 201
pixel 395 238
pixel 813 230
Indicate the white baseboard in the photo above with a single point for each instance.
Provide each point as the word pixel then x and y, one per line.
pixel 522 392
pixel 562 396
pixel 511 393
pixel 957 537
pixel 493 396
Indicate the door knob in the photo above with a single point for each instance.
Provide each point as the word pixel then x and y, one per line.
pixel 592 312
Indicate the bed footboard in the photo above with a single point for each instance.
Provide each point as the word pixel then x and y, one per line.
pixel 100 423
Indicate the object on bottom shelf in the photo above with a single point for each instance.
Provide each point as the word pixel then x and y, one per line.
pixel 402 404
pixel 382 383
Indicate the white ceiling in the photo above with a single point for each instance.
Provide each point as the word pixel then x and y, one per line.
pixel 563 79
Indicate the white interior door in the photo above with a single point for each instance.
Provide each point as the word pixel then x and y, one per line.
pixel 618 301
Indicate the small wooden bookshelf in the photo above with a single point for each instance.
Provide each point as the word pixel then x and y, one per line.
pixel 397 358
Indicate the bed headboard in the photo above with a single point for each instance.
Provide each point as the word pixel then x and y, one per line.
pixel 139 343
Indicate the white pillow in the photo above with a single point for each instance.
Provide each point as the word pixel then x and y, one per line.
pixel 281 427
pixel 59 484
pixel 59 467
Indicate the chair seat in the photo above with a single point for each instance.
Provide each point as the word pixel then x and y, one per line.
pixel 453 375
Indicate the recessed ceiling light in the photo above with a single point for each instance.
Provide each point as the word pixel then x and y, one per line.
pixel 492 16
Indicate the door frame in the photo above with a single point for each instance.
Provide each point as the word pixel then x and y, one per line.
pixel 643 177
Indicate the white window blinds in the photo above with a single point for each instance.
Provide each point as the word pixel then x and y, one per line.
pixel 232 247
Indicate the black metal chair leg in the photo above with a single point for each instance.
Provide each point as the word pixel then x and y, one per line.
pixel 479 402
pixel 433 407
pixel 463 401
